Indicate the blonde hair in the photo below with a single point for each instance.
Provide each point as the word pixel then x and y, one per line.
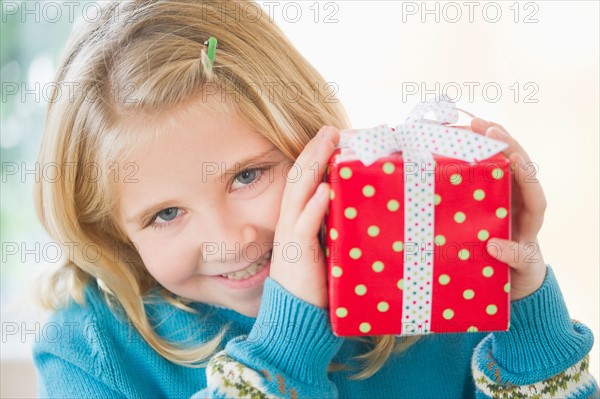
pixel 142 59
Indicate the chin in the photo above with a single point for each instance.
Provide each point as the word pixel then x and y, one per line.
pixel 250 310
pixel 247 304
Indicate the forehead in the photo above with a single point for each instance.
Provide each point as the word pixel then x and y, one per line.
pixel 188 146
pixel 213 131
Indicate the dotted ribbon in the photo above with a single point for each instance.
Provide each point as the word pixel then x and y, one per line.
pixel 419 139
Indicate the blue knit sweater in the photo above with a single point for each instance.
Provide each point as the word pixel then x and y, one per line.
pixel 285 352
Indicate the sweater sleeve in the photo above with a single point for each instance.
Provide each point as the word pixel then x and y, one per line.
pixel 285 355
pixel 543 355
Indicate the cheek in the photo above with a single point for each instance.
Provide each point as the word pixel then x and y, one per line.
pixel 168 264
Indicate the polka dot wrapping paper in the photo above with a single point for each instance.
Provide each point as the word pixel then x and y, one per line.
pixel 385 275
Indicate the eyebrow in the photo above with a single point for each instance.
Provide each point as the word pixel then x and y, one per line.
pixel 244 163
pixel 142 216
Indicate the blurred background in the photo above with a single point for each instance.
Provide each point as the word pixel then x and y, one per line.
pixel 531 66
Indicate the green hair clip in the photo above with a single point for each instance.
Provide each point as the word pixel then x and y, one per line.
pixel 212 48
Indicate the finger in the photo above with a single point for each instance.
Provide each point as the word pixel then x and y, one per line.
pixel 310 167
pixel 479 125
pixel 495 133
pixel 498 132
pixel 330 142
pixel 530 192
pixel 519 256
pixel 309 222
pixel 533 199
pixel 308 171
pixel 295 168
pixel 526 263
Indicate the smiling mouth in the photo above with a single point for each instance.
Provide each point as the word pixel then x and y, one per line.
pixel 250 271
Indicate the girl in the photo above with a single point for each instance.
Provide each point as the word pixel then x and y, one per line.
pixel 177 281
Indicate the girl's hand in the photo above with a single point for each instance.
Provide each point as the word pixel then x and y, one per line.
pixel 298 263
pixel 523 255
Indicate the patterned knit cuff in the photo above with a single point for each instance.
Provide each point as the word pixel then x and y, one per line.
pixel 542 340
pixel 576 382
pixel 291 336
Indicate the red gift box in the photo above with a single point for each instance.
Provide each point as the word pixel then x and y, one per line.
pixel 383 280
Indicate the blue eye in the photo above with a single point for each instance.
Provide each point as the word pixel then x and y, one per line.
pixel 247 176
pixel 167 214
pixel 246 179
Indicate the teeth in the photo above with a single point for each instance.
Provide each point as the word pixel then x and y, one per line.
pixel 248 272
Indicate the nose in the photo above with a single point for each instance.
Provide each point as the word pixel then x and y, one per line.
pixel 228 237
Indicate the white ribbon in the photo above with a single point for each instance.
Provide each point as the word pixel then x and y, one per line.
pixel 419 139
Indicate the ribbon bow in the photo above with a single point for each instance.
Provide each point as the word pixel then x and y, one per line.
pixel 419 139
pixel 422 135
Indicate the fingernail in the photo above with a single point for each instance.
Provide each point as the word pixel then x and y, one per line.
pixel 326 132
pixel 320 132
pixel 520 162
pixel 321 190
pixel 493 132
pixel 493 248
